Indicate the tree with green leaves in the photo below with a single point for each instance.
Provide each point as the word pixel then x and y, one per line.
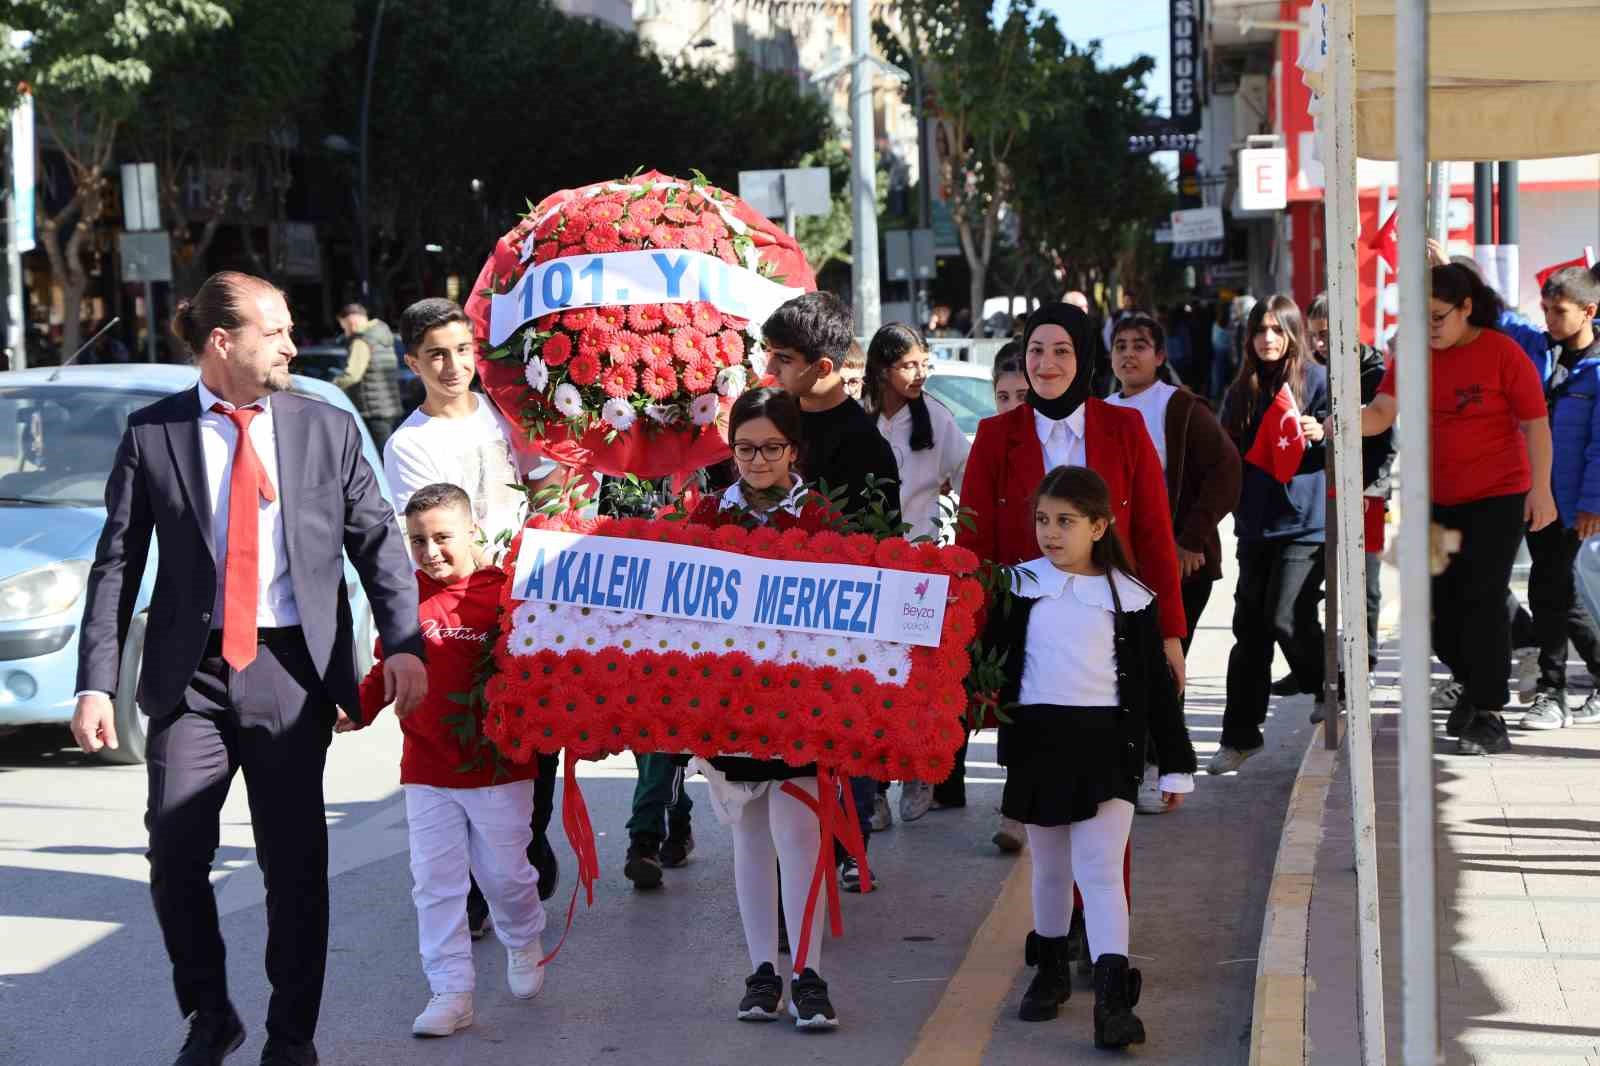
pixel 222 108
pixel 987 73
pixel 87 62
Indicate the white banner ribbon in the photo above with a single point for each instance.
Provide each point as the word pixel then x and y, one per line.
pixel 620 278
pixel 726 588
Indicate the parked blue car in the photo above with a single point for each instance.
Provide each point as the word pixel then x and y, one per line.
pixel 58 437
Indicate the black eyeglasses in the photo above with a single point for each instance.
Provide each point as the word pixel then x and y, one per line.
pixel 771 451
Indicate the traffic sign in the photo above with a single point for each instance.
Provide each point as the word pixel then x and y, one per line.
pixel 145 257
pixel 1197 224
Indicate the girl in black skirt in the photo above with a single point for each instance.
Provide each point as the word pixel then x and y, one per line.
pixel 1086 677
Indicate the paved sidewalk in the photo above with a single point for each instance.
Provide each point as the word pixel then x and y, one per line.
pixel 1517 852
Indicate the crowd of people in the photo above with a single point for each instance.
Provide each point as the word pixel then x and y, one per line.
pixel 1101 504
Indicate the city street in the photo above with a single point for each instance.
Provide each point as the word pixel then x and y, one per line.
pixel 929 970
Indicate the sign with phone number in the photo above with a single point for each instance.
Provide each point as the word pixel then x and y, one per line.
pixel 622 278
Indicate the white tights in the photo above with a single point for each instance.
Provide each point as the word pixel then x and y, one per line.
pixel 774 830
pixel 1091 853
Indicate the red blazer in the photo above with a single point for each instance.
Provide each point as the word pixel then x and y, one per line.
pixel 1007 464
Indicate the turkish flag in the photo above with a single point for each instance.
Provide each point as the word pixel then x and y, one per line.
pixel 1280 443
pixel 1386 243
pixel 1584 260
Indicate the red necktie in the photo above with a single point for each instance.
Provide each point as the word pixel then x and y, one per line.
pixel 247 486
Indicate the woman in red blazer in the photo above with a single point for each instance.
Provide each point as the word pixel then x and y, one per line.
pixel 1008 461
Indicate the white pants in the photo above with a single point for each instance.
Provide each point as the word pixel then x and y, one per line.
pixel 487 830
pixel 773 830
pixel 1091 853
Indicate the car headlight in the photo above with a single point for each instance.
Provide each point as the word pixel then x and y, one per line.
pixel 43 591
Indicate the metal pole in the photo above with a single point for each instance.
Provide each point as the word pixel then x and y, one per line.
pixel 1439 202
pixel 1510 226
pixel 364 213
pixel 16 333
pixel 863 175
pixel 1483 203
pixel 1418 973
pixel 150 320
pixel 1330 603
pixel 1347 542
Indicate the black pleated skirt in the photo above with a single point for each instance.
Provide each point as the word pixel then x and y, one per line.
pixel 1062 763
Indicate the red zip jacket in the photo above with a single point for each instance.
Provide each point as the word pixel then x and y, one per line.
pixel 456 619
pixel 1007 464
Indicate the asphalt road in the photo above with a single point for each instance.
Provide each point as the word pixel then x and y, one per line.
pixel 929 968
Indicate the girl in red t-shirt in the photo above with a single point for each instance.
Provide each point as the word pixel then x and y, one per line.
pixel 1491 481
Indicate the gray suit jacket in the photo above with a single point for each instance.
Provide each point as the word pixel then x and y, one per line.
pixel 331 505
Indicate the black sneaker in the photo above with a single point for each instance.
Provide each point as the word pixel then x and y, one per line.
pixel 643 865
pixel 1288 685
pixel 543 857
pixel 850 876
pixel 676 849
pixel 763 995
pixel 809 1003
pixel 213 1036
pixel 1461 716
pixel 478 921
pixel 1485 736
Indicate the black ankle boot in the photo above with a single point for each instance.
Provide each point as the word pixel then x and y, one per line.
pixel 1052 985
pixel 1116 992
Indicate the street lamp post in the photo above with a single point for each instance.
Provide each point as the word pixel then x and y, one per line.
pixel 364 212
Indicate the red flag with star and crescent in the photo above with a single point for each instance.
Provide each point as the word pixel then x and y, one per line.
pixel 1280 442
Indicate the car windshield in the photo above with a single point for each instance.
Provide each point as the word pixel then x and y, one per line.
pixel 57 444
pixel 971 400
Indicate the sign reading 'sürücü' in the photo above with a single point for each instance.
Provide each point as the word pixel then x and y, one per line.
pixel 1188 63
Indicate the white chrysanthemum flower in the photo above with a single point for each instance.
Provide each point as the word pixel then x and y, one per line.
pixel 536 374
pixel 703 409
pixel 731 381
pixel 618 413
pixel 568 400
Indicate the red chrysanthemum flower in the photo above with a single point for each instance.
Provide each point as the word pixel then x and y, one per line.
pixel 664 236
pixel 601 239
pixel 826 547
pixel 896 554
pixel 705 318
pixel 656 350
pixel 730 348
pixel 547 323
pixel 545 251
pixel 712 223
pixel 681 215
pixel 968 594
pixel 584 370
pixel 727 253
pixel 623 349
pixel 729 538
pixel 548 227
pixel 618 381
pixel 604 211
pixel 575 227
pixel 735 323
pixel 644 318
pixel 860 549
pixel 696 239
pixel 658 382
pixel 557 349
pixel 675 315
pixel 695 536
pixel 686 344
pixel 698 377
pixel 761 542
pixel 929 558
pixel 646 209
pixel 959 560
pixel 792 542
pixel 632 231
pixel 578 320
pixel 609 320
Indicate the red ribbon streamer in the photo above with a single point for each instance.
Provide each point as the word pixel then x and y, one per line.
pixel 848 833
pixel 580 834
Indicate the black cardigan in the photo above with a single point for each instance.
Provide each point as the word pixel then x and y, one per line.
pixel 1145 686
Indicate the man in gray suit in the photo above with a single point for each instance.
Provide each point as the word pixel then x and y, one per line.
pixel 256 494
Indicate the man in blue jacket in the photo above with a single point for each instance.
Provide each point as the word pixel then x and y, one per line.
pixel 1570 299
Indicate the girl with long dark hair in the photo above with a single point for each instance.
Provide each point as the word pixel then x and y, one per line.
pixel 1278 524
pixel 1491 458
pixel 1086 680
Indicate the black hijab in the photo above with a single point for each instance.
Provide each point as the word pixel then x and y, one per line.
pixel 1081 330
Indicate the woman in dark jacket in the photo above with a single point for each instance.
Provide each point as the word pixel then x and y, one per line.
pixel 1279 525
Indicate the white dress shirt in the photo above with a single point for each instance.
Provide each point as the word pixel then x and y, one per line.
pixel 275 604
pixel 1152 407
pixel 1061 439
pixel 923 472
pixel 1069 656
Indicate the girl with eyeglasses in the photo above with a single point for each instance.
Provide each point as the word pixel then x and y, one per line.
pixel 775 835
pixel 1279 526
pixel 930 453
pixel 1491 457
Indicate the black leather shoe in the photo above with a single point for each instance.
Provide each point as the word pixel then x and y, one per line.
pixel 213 1036
pixel 283 1053
pixel 1288 685
pixel 543 858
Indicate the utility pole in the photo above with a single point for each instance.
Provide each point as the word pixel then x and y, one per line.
pixel 364 215
pixel 863 175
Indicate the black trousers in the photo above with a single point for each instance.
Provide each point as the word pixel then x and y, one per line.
pixel 1471 626
pixel 1374 605
pixel 273 720
pixel 1557 614
pixel 1275 602
pixel 1196 594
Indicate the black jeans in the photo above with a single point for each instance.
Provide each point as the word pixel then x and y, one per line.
pixel 1471 626
pixel 1196 594
pixel 1275 601
pixel 1557 614
pixel 273 720
pixel 1374 605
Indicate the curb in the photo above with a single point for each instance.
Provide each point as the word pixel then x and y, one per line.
pixel 1278 1017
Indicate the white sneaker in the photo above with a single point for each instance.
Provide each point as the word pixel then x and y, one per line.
pixel 1149 800
pixel 1227 760
pixel 524 970
pixel 915 799
pixel 1527 673
pixel 445 1013
pixel 881 817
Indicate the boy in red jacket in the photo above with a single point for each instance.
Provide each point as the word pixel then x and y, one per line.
pixel 465 808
